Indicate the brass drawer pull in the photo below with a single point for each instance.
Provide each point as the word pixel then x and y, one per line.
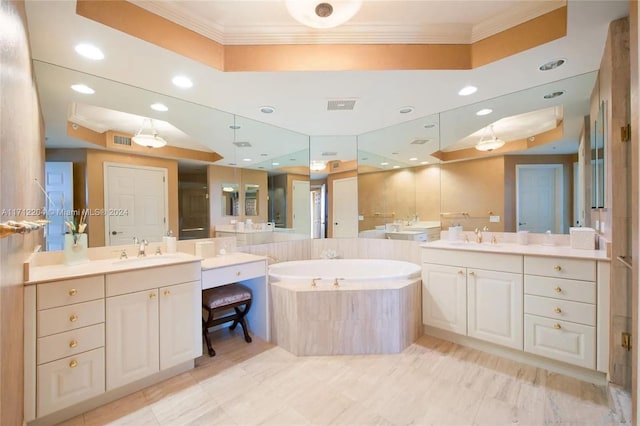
pixel 73 318
pixel 460 272
pixel 73 343
pixel 73 363
pixel 238 274
pixel 557 326
pixel 558 290
pixel 472 273
pixel 557 310
pixel 558 268
pixel 152 295
pixel 73 292
pixel 167 293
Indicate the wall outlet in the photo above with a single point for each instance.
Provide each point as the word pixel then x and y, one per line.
pixel 360 217
pixel 602 227
pixel 494 219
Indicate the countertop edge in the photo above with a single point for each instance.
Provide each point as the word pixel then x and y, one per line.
pixel 525 250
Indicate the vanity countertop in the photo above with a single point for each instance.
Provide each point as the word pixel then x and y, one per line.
pixel 41 274
pixel 512 248
pixel 229 259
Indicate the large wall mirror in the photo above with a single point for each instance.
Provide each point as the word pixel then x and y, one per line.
pixel 420 173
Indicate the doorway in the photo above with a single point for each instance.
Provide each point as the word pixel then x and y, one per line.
pixel 318 211
pixel 135 201
pixel 59 189
pixel 345 208
pixel 539 195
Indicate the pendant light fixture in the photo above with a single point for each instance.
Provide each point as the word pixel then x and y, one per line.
pixel 489 144
pixel 148 135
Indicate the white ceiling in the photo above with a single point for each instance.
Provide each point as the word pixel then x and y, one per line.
pixel 136 73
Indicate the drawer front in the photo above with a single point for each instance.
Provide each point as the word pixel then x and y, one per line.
pixel 70 380
pixel 150 278
pixel 71 317
pixel 577 291
pixel 66 292
pixel 583 313
pixel 474 259
pixel 231 274
pixel 560 340
pixel 560 267
pixel 70 343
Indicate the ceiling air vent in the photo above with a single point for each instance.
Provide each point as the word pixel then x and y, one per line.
pixel 329 154
pixel 121 140
pixel 341 105
pixel 242 144
pixel 420 141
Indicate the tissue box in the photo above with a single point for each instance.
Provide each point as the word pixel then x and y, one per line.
pixel 582 238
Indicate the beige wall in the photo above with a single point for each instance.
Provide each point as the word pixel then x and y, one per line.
pixel 428 192
pixel 21 161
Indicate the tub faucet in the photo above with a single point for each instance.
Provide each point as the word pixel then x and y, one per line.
pixel 314 282
pixel 141 249
pixel 335 282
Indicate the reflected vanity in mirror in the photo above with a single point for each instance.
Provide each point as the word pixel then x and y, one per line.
pixel 251 199
pixel 598 162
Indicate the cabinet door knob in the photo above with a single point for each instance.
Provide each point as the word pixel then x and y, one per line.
pixel 152 295
pixel 73 292
pixel 557 310
pixel 73 343
pixel 558 289
pixel 472 273
pixel 238 274
pixel 461 272
pixel 557 326
pixel 73 318
pixel 558 268
pixel 73 363
pixel 167 292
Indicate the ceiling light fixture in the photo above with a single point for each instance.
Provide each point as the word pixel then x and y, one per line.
pixel 275 164
pixel 182 81
pixel 83 88
pixel 89 51
pixel 267 109
pixel 413 159
pixel 468 90
pixel 554 94
pixel 484 111
pixel 319 14
pixel 489 144
pixel 159 107
pixel 148 135
pixel 424 162
pixel 551 65
pixel 316 166
pixel 406 110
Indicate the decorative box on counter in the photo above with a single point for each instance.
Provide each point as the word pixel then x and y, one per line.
pixel 582 238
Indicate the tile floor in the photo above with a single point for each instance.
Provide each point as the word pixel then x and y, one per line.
pixel 433 382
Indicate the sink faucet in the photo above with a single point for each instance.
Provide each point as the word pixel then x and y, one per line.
pixel 141 249
pixel 479 234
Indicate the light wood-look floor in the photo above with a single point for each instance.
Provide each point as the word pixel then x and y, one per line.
pixel 433 382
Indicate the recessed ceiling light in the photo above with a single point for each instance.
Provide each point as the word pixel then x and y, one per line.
pixel 468 90
pixel 413 159
pixel 159 107
pixel 485 111
pixel 182 81
pixel 384 163
pixel 275 164
pixel 551 65
pixel 396 167
pixel 406 110
pixel 89 51
pixel 424 162
pixel 83 88
pixel 554 94
pixel 246 159
pixel 267 109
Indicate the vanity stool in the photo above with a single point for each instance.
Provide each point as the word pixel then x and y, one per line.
pixel 224 298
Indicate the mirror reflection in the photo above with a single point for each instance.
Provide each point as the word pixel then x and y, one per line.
pixel 251 200
pixel 230 199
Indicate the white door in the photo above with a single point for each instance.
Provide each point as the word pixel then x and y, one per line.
pixel 539 205
pixel 135 203
pixel 495 307
pixel 59 188
pixel 301 208
pixel 180 323
pixel 345 208
pixel 444 297
pixel 132 337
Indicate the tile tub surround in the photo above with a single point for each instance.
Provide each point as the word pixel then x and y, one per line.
pixel 358 318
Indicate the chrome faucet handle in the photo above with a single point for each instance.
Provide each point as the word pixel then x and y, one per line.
pixel 136 241
pixel 123 254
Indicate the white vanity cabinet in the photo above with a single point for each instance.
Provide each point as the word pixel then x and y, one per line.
pixel 152 322
pixel 69 325
pixel 560 309
pixel 474 294
pixel 444 297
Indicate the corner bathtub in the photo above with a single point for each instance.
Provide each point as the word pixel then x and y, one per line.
pixel 375 309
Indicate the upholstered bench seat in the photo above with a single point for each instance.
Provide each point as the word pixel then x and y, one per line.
pixel 221 299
